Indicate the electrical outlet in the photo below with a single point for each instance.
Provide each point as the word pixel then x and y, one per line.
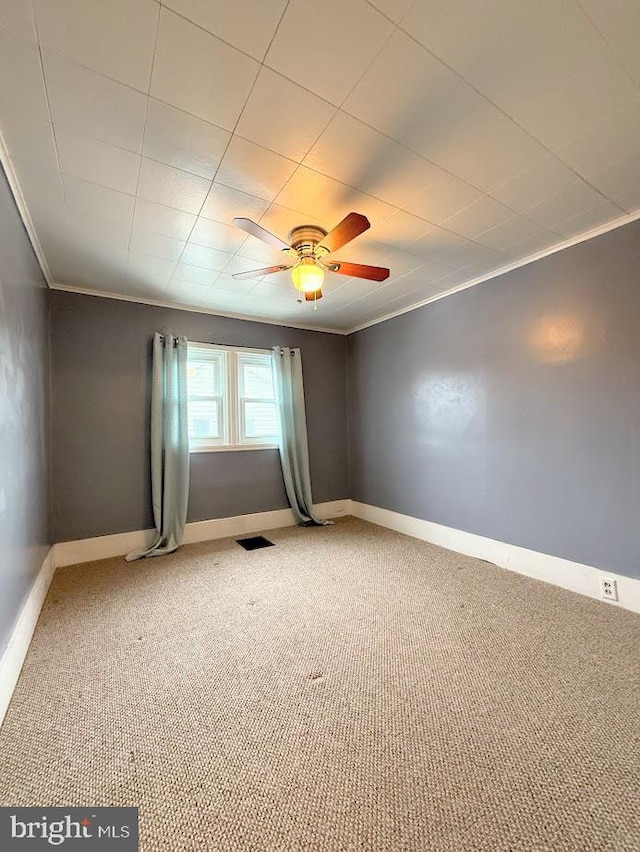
pixel 608 589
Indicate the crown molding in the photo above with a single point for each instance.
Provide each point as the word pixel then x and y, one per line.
pixel 120 297
pixel 14 185
pixel 554 249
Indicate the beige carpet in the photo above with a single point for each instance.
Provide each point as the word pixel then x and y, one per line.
pixel 348 689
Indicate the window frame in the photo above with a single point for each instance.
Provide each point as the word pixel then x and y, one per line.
pixel 221 358
pixel 232 404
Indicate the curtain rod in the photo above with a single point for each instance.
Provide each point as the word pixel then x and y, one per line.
pixel 163 336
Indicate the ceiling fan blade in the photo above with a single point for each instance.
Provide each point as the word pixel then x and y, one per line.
pixel 359 270
pixel 261 233
pixel 258 273
pixel 313 297
pixel 351 227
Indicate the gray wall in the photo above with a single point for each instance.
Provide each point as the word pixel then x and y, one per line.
pixel 24 440
pixel 512 409
pixel 101 351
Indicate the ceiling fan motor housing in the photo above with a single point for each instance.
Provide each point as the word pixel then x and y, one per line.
pixel 305 240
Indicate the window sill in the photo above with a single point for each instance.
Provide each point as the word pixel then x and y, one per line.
pixel 226 448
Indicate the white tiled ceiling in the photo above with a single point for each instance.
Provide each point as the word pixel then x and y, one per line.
pixel 472 134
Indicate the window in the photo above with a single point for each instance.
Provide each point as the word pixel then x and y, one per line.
pixel 231 398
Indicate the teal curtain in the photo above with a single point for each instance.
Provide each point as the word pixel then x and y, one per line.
pixel 169 444
pixel 294 447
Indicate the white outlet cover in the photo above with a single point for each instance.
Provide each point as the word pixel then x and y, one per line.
pixel 608 589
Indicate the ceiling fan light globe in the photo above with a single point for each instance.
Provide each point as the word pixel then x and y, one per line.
pixel 308 276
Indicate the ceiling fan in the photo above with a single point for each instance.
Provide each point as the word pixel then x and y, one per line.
pixel 309 246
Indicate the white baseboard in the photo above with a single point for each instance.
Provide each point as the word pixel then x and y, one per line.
pixel 106 546
pixel 16 651
pixel 574 576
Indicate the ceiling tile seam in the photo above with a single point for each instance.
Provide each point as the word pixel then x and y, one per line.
pixel 423 188
pixel 433 225
pixel 514 214
pixel 396 27
pixel 396 209
pixel 144 131
pixel 377 54
pixel 275 32
pixel 161 100
pixel 406 250
pixel 431 283
pixel 271 203
pixel 49 113
pixel 406 275
pixel 32 14
pixel 247 139
pixel 161 163
pixel 328 122
pixel 389 286
pixel 54 126
pixel 535 225
pixel 551 228
pixel 552 155
pixel 310 91
pixel 516 264
pixel 364 296
pixel 54 53
pixel 120 297
pixel 415 153
pixel 442 168
pixel 631 152
pixel 233 133
pixel 209 33
pixel 433 163
pixel 587 210
pixel 504 113
pixel 522 215
pixel 64 126
pixel 465 285
pixel 546 198
pixel 349 186
pixel 338 109
pixel 237 252
pixel 224 153
pixel 391 248
pixel 46 95
pixel 226 129
pixel 607 44
pixel 11 34
pixel 187 112
pixel 384 15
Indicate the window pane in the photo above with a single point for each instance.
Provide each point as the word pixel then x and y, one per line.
pixel 257 381
pixel 260 420
pixel 204 419
pixel 203 378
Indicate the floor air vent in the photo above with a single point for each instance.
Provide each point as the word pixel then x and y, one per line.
pixel 254 543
